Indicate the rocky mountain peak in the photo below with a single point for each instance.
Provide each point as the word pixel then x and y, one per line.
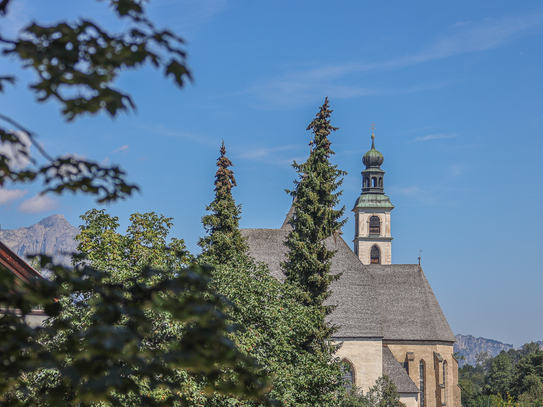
pixel 53 221
pixel 53 236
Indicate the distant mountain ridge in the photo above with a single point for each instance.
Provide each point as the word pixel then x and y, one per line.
pixel 469 346
pixel 53 236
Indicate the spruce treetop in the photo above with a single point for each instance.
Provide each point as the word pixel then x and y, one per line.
pixel 224 178
pixel 315 219
pixel 224 239
pixel 321 129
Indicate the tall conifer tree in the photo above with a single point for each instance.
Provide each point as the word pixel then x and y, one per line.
pixel 315 219
pixel 224 239
pixel 308 259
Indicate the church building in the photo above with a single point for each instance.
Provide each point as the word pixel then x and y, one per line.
pixel 388 316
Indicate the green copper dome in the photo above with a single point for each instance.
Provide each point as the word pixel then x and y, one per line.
pixel 373 158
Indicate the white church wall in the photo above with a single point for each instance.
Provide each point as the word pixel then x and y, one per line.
pixel 410 400
pixel 366 355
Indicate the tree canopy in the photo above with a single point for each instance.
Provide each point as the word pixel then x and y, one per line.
pixel 274 324
pixel 512 378
pixel 130 325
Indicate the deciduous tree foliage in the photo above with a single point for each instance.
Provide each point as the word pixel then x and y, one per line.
pixel 76 64
pixel 500 374
pixel 527 372
pixel 273 330
pixel 383 394
pixel 136 329
pixel 514 378
pixel 129 326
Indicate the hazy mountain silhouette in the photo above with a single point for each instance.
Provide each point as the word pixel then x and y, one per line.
pixel 53 236
pixel 468 346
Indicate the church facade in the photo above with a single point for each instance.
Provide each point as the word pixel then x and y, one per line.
pixel 388 316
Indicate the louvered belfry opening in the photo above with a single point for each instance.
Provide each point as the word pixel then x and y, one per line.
pixel 375 255
pixel 375 225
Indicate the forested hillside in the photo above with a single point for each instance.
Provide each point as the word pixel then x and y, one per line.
pixel 511 378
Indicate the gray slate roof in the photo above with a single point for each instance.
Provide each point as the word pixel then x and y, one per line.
pixel 393 369
pixel 409 309
pixel 355 294
pixel 394 302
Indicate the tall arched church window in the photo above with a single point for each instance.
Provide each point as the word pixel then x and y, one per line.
pixel 374 182
pixel 445 381
pixel 348 375
pixel 375 255
pixel 381 182
pixel 366 182
pixel 375 225
pixel 422 383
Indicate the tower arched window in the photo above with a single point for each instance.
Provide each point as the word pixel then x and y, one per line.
pixel 422 383
pixel 373 181
pixel 375 225
pixel 375 255
pixel 366 182
pixel 348 375
pixel 381 182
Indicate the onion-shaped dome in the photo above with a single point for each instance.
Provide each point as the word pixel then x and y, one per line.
pixel 373 158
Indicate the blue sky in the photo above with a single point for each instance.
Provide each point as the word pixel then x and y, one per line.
pixel 454 88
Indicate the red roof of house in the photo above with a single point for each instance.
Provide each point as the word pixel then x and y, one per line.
pixel 16 265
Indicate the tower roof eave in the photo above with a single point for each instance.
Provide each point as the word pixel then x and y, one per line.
pixel 373 201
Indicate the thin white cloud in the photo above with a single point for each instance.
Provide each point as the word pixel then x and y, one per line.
pixel 435 136
pixel 281 156
pixel 124 147
pixel 456 170
pixel 410 191
pixel 190 16
pixel 9 195
pixel 415 193
pixel 461 23
pixel 259 152
pixel 296 88
pixel 16 18
pixel 39 203
pixel 159 129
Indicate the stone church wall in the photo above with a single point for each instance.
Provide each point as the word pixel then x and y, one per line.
pixel 441 384
pixel 366 356
pixel 410 400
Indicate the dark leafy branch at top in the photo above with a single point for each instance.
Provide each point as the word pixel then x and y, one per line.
pixel 76 64
pixel 60 174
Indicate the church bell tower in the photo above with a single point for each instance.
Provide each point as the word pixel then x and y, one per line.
pixel 373 241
